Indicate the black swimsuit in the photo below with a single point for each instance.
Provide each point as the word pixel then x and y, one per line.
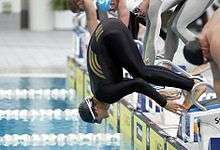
pixel 110 50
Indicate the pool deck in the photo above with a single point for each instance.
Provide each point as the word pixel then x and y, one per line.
pixel 28 52
pixel 25 51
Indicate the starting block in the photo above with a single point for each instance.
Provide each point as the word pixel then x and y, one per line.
pixel 201 126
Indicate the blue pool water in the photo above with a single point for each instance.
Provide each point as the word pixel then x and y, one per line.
pixel 45 126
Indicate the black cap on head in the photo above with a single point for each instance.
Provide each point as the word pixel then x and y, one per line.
pixel 193 53
pixel 85 113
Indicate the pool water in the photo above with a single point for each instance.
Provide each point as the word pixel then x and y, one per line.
pixel 47 126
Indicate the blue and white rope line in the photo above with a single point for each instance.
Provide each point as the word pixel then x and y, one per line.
pixel 41 114
pixel 60 139
pixel 54 94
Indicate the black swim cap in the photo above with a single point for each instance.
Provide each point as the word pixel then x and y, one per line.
pixel 84 112
pixel 193 53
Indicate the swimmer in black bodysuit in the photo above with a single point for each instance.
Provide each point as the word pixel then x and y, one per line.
pixel 112 48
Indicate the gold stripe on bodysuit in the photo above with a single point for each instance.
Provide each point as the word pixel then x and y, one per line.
pixel 94 64
pixel 99 28
pixel 98 32
pixel 98 36
pixel 98 72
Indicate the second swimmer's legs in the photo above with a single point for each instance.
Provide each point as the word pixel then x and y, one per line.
pixel 156 8
pixel 189 12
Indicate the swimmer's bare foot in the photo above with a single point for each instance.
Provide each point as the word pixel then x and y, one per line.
pixel 198 92
pixel 171 94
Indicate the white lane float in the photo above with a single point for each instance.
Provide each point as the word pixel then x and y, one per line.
pixel 54 94
pixel 41 114
pixel 60 139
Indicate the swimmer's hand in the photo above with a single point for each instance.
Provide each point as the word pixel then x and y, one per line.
pixel 174 107
pixel 77 6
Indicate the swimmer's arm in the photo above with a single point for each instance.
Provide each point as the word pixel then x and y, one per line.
pixel 123 12
pixel 114 92
pixel 91 15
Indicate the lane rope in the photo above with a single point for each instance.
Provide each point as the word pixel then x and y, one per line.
pixel 60 139
pixel 54 94
pixel 41 114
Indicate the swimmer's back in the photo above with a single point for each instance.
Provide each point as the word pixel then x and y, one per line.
pixel 214 22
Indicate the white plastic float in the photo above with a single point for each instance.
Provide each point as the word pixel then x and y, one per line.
pixel 42 114
pixel 54 94
pixel 60 139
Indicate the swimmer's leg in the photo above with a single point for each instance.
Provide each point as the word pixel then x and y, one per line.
pixel 119 42
pixel 115 91
pixel 152 17
pixel 156 8
pixel 172 40
pixel 189 12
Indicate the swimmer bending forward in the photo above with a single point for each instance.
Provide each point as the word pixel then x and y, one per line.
pixel 111 49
